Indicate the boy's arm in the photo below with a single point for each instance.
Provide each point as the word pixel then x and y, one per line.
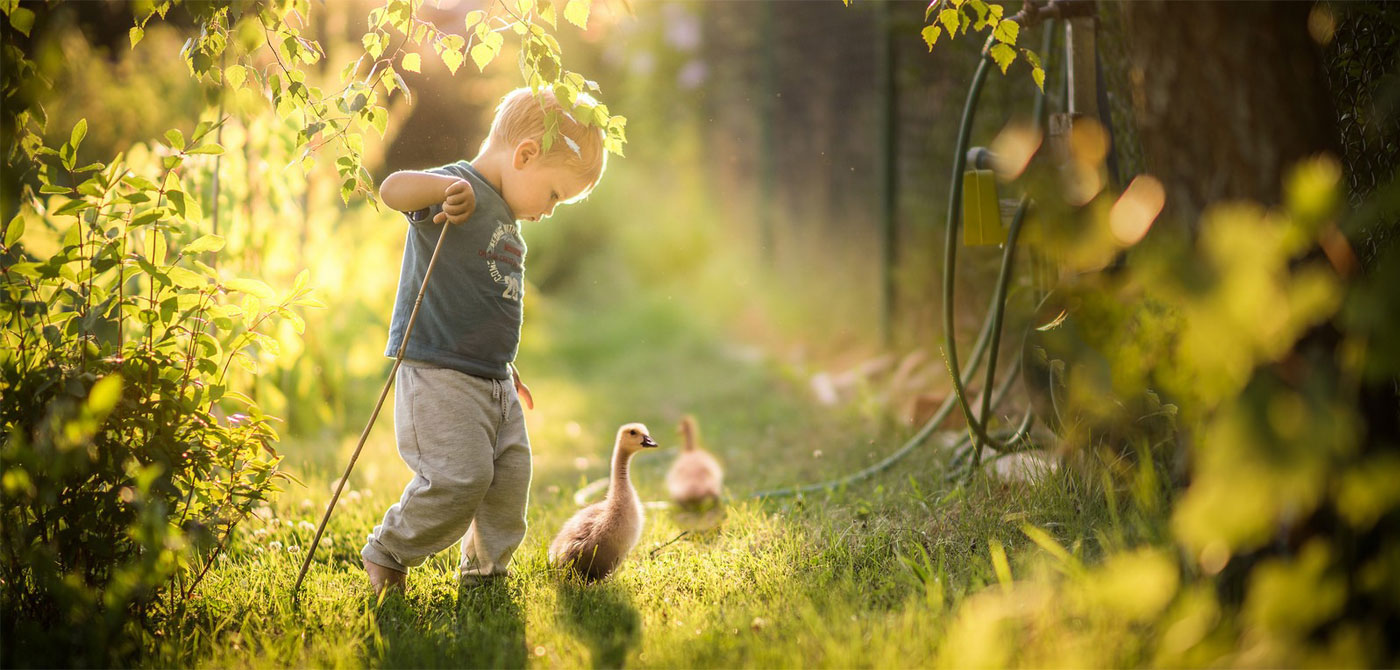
pixel 410 191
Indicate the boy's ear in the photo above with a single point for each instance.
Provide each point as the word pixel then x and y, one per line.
pixel 525 151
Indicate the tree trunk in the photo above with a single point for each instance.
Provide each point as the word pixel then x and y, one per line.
pixel 1227 96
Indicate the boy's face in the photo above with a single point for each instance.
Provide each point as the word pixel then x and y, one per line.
pixel 535 186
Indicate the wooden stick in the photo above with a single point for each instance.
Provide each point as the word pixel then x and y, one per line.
pixel 398 360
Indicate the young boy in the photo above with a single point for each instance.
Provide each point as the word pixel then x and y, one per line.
pixel 457 417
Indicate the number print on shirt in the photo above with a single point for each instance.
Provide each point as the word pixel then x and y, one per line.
pixel 508 250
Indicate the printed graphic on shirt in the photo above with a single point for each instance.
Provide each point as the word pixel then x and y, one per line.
pixel 505 260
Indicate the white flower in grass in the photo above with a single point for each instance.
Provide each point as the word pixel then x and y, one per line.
pixel 306 503
pixel 306 525
pixel 326 541
pixel 274 545
pixel 353 496
pixel 257 550
pixel 259 533
pixel 293 549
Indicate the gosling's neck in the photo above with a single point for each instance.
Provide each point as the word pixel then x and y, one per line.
pixel 619 484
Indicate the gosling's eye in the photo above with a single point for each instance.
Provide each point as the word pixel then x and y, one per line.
pixel 632 432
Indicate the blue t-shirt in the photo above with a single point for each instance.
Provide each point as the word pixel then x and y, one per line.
pixel 471 313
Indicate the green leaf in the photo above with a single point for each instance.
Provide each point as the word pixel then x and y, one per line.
pixel 576 12
pixel 54 189
pixel 156 254
pixel 1006 32
pixel 482 54
pixel 72 207
pixel 403 86
pixel 14 230
pixel 950 20
pixel 981 9
pixel 22 19
pixel 1003 55
pixel 72 236
pixel 373 43
pixel 930 35
pixel 474 17
pixel 549 15
pixel 379 118
pixel 1038 74
pixel 140 183
pixel 250 286
pixel 1031 58
pixel 175 138
pixel 412 62
pixel 264 342
pixel 235 76
pixel 211 148
pixel 185 278
pixel 30 270
pixel 148 216
pixel 453 59
pixel 178 202
pixel 136 33
pixel 203 244
pixel 104 395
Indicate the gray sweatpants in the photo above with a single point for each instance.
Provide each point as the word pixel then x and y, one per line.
pixel 464 438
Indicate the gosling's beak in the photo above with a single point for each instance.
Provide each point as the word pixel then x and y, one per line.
pixel 647 441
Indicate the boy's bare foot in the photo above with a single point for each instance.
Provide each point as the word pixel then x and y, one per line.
pixel 381 577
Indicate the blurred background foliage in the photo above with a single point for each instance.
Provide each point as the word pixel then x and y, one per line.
pixel 1227 369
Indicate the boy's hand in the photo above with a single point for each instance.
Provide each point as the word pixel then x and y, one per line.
pixel 457 204
pixel 521 389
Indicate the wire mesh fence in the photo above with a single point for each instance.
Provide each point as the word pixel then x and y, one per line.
pixel 1362 61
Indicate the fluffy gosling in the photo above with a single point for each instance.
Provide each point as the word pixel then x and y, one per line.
pixel 695 478
pixel 593 543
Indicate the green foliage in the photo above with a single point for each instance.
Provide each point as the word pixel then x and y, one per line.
pixel 955 17
pixel 128 460
pixel 233 38
pixel 1244 327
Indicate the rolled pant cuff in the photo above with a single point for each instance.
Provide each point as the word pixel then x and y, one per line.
pixel 378 556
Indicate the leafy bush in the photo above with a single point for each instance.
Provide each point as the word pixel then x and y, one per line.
pixel 124 475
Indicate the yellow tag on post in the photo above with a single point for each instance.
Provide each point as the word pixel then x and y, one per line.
pixel 981 212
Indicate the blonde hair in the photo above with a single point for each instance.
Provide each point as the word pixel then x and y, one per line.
pixel 521 116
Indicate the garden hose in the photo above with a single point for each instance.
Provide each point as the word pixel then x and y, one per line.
pixel 977 424
pixel 991 328
pixel 998 395
pixel 928 428
pixel 398 360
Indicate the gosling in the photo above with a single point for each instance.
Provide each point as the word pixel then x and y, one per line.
pixel 695 479
pixel 594 541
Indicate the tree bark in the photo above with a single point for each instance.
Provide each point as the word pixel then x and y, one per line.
pixel 1227 96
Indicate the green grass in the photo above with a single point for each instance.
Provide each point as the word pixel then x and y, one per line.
pixel 865 576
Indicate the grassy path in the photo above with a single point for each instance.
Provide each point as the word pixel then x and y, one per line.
pixel 818 581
